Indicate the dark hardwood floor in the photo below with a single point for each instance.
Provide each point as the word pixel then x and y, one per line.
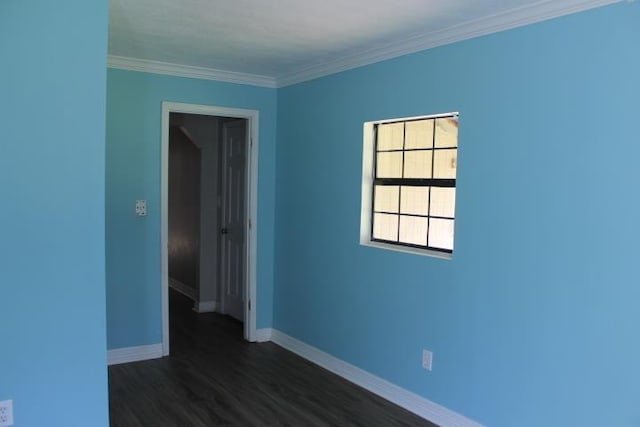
pixel 214 378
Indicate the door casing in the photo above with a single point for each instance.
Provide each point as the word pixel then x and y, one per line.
pixel 251 225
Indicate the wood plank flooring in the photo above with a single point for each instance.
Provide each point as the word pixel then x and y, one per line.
pixel 214 378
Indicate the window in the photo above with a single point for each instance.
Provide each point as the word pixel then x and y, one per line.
pixel 410 178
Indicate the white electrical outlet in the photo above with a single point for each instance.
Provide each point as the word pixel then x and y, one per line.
pixel 141 207
pixel 427 359
pixel 6 413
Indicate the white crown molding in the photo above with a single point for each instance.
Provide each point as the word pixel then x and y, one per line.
pixel 410 401
pixel 169 69
pixel 518 17
pixel 134 354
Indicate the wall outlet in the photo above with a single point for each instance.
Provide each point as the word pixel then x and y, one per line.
pixel 427 359
pixel 6 413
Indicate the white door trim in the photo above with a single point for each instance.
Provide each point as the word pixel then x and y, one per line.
pixel 252 117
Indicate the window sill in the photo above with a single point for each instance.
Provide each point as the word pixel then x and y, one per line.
pixel 408 250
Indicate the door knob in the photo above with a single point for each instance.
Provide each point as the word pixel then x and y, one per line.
pixel 224 231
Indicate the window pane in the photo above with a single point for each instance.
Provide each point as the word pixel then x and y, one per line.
pixel 417 164
pixel 441 233
pixel 414 200
pixel 390 136
pixel 413 230
pixel 443 201
pixel 389 165
pixel 385 227
pixel 419 134
pixel 445 163
pixel 386 198
pixel 447 132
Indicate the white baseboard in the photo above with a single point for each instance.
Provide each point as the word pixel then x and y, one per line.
pixel 134 354
pixel 410 401
pixel 205 306
pixel 264 334
pixel 185 290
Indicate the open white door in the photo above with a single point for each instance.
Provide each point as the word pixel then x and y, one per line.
pixel 233 238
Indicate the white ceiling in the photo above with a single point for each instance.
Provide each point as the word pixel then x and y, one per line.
pixel 285 41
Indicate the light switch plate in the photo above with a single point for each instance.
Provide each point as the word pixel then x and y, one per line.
pixel 141 207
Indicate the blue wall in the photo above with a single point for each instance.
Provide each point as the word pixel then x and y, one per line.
pixel 134 106
pixel 535 320
pixel 52 108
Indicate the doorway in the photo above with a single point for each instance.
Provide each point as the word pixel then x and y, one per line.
pixel 239 214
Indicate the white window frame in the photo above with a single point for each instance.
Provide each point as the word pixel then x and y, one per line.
pixel 366 212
